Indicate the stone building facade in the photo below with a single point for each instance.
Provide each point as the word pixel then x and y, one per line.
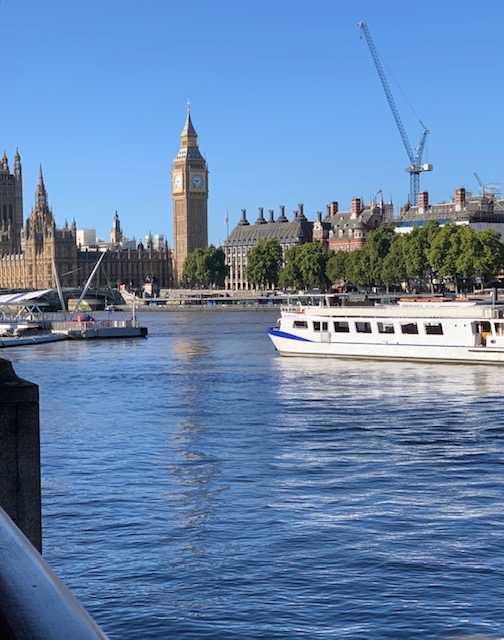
pixel 245 236
pixel 11 204
pixel 30 254
pixel 348 230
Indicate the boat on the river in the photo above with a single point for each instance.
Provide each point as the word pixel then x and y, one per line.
pixel 87 328
pixel 24 339
pixel 432 330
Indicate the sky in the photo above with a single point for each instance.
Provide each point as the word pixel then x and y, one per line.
pixel 284 96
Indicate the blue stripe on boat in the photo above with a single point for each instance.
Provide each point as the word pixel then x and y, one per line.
pixel 289 336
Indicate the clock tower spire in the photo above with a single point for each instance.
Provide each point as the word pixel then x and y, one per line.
pixel 190 198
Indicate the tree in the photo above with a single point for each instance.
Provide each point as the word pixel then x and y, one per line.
pixel 290 275
pixel 375 250
pixel 336 267
pixel 393 265
pixel 444 251
pixel 214 266
pixel 191 272
pixel 264 261
pixel 490 259
pixel 312 264
pixel 469 247
pixel 415 251
pixel 358 268
pixel 204 267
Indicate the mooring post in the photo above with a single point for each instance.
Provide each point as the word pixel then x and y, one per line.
pixel 20 492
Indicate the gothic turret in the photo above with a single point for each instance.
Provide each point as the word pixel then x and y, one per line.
pixel 116 233
pixel 5 164
pixel 17 166
pixel 42 217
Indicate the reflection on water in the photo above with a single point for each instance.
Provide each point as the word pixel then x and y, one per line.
pixel 193 474
pixel 333 377
pixel 187 349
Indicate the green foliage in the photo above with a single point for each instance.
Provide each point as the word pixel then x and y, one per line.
pixel 191 270
pixel 375 251
pixel 290 275
pixel 427 253
pixel 305 267
pixel 359 268
pixel 336 267
pixel 205 268
pixel 394 269
pixel 416 246
pixel 263 263
pixel 312 263
pixel 491 253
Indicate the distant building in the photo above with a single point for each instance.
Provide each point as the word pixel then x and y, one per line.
pixel 245 236
pixel 190 199
pixel 348 230
pixel 11 205
pixel 27 254
pixel 478 211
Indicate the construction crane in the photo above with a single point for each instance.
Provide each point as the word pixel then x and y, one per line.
pixel 416 166
pixel 481 185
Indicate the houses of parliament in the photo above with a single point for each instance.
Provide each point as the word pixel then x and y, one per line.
pixel 32 251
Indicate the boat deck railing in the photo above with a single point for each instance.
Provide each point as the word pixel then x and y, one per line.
pixel 83 325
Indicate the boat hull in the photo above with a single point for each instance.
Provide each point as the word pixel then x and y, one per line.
pixel 290 345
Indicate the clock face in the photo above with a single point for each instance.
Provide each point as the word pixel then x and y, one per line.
pixel 197 181
pixel 177 181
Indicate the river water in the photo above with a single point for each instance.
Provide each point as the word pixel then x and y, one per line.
pixel 198 486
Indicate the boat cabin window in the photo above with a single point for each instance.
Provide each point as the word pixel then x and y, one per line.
pixel 362 327
pixel 341 326
pixel 499 328
pixel 316 326
pixel 300 324
pixel 433 328
pixel 483 327
pixel 409 327
pixel 385 327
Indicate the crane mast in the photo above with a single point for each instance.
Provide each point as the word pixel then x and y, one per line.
pixel 415 158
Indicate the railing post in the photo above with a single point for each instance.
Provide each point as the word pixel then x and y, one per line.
pixel 20 493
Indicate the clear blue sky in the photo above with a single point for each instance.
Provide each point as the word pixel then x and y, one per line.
pixel 284 95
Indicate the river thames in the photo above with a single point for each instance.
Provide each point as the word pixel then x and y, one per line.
pixel 198 486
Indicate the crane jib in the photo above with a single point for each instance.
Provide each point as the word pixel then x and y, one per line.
pixel 416 166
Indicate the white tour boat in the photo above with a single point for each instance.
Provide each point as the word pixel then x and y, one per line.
pixel 432 330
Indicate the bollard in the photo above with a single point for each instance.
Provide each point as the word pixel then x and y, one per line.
pixel 20 492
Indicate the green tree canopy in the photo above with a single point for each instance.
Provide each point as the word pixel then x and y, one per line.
pixel 313 259
pixel 290 275
pixel 191 272
pixel 394 270
pixel 491 253
pixel 336 267
pixel 204 267
pixel 264 261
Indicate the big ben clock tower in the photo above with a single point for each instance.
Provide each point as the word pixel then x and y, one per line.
pixel 190 198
